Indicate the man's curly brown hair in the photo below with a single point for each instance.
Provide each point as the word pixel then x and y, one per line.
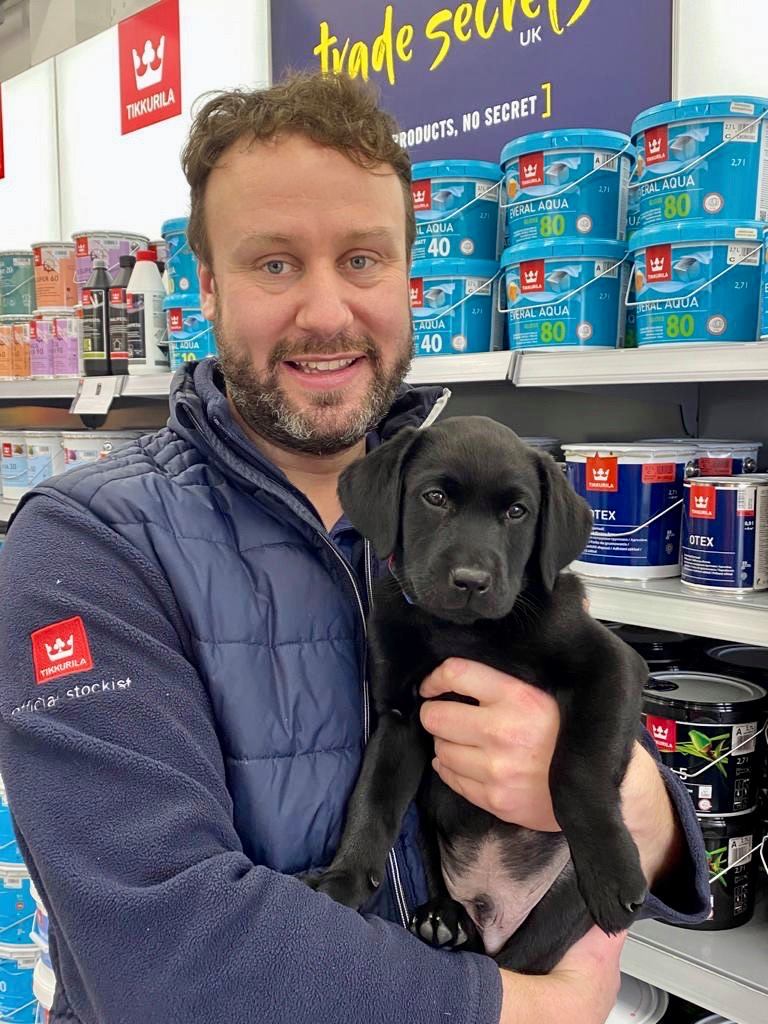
pixel 330 110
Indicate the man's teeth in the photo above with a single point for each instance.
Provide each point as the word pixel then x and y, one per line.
pixel 324 367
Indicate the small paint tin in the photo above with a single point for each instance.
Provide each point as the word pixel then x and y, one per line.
pixel 190 335
pixel 85 446
pixel 22 347
pixel 638 1003
pixel 54 274
pixel 45 457
pixel 729 840
pixel 17 283
pixel 456 203
pixel 636 494
pixel 17 907
pixel 41 347
pixel 453 307
pixel 103 245
pixel 709 731
pixel 725 533
pixel 6 348
pixel 13 463
pixel 66 343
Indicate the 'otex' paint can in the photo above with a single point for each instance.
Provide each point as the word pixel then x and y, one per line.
pixel 453 306
pixel 17 906
pixel 9 848
pixel 103 245
pixel 709 731
pixel 17 999
pixel 13 463
pixel 567 293
pixel 567 183
pixel 85 446
pixel 638 1003
pixel 703 157
pixel 725 533
pixel 45 457
pixel 190 335
pixel 54 274
pixel 17 283
pixel 718 456
pixel 456 203
pixel 729 840
pixel 635 492
pixel 697 281
pixel 181 262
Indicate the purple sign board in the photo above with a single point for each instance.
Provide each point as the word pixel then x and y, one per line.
pixel 463 79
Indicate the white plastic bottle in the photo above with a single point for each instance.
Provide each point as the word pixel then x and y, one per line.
pixel 146 321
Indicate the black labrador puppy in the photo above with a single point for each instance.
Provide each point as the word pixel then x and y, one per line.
pixel 477 527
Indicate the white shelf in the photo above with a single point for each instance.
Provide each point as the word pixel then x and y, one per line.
pixel 18 390
pixel 667 604
pixel 484 366
pixel 150 385
pixel 726 972
pixel 650 365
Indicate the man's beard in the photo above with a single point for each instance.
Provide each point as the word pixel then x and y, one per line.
pixel 268 411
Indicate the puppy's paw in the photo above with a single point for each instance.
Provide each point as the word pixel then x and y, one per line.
pixel 614 893
pixel 350 888
pixel 445 924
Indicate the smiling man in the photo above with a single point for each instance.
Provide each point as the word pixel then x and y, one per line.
pixel 209 569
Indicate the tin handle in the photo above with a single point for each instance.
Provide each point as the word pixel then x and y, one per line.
pixel 568 295
pixel 21 284
pixel 690 295
pixel 570 185
pixel 439 311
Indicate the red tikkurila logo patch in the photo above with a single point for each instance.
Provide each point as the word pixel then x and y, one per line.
pixel 531 170
pixel 603 473
pixel 60 649
pixel 664 732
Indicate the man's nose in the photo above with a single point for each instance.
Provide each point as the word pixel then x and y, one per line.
pixel 324 309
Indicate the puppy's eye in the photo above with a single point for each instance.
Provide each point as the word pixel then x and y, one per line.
pixel 516 512
pixel 436 498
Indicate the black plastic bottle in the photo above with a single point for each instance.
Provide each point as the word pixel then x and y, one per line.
pixel 96 361
pixel 118 316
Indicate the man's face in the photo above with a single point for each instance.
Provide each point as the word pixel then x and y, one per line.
pixel 308 290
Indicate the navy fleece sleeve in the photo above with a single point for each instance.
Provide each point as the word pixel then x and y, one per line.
pixel 116 780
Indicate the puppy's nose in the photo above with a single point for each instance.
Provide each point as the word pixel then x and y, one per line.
pixel 471 580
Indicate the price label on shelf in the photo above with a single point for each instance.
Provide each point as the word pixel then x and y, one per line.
pixel 95 395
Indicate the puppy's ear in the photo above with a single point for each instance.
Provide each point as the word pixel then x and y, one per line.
pixel 370 491
pixel 565 521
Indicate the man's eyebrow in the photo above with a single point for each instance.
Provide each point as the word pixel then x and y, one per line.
pixel 371 235
pixel 264 240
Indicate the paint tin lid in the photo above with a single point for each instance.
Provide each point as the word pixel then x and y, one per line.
pixel 744 660
pixel 676 452
pixel 566 138
pixel 53 245
pixel 704 690
pixel 738 482
pixel 49 311
pixel 698 107
pixel 174 225
pixel 456 169
pixel 24 956
pixel 708 445
pixel 698 230
pixel 486 270
pixel 565 248
pixel 104 233
pixel 16 252
pixel 638 1003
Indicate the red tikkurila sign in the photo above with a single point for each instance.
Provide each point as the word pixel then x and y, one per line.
pixel 2 157
pixel 150 66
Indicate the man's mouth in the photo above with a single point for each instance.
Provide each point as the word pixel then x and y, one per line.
pixel 322 365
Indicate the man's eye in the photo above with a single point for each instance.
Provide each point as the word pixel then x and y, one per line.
pixel 361 262
pixel 436 498
pixel 275 267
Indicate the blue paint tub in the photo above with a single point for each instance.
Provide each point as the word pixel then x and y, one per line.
pixel 566 293
pixel 18 1004
pixel 181 262
pixel 190 335
pixel 17 905
pixel 456 203
pixel 453 307
pixel 9 848
pixel 39 933
pixel 764 292
pixel 725 534
pixel 697 281
pixel 570 183
pixel 704 157
pixel 635 492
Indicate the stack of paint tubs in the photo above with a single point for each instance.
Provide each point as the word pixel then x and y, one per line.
pixel 18 954
pixel 698 252
pixel 17 300
pixel 455 270
pixel 55 328
pixel 43 979
pixel 190 335
pixel 565 268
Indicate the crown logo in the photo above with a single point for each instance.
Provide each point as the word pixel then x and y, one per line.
pixel 419 195
pixel 530 170
pixel 657 265
pixel 654 146
pixel 702 502
pixel 151 61
pixel 531 277
pixel 660 732
pixel 61 649
pixel 600 474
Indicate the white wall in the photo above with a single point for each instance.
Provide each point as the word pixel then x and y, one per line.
pixel 722 47
pixel 134 182
pixel 29 192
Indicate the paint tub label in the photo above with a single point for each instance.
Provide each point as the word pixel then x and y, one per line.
pixel 566 303
pixel 55 275
pixel 95 323
pixel 682 174
pixel 41 459
pixel 6 352
pixel 732 868
pixel 13 467
pixel 725 536
pixel 456 218
pixel 66 346
pixel 17 284
pixel 17 907
pixel 21 367
pixel 454 315
pixel 191 336
pixel 636 508
pixel 41 348
pixel 17 1000
pixel 567 193
pixel 181 264
pixel 680 301
pixel 716 762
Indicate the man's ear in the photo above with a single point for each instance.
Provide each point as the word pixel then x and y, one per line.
pixel 371 488
pixel 565 521
pixel 207 286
